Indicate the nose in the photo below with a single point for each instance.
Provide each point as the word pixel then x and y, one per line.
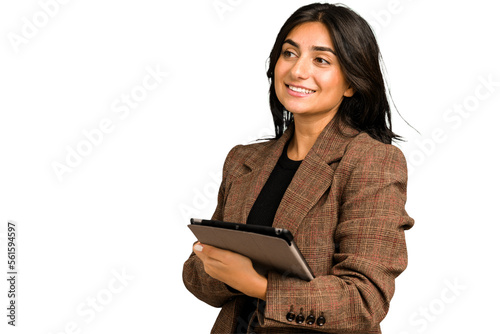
pixel 301 69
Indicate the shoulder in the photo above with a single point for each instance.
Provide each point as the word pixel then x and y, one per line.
pixel 242 152
pixel 365 151
pixel 239 154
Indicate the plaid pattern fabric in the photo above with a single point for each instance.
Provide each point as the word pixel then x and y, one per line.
pixel 345 208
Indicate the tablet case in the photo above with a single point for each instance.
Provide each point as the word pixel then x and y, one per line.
pixel 269 248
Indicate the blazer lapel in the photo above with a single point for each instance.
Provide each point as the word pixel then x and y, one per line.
pixel 313 178
pixel 261 164
pixel 311 181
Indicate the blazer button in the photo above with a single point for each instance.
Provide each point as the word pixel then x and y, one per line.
pixel 310 319
pixel 290 315
pixel 321 320
pixel 300 317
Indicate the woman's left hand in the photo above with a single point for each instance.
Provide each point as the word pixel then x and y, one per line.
pixel 233 269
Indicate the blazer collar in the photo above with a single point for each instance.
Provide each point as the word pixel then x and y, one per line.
pixel 329 147
pixel 311 180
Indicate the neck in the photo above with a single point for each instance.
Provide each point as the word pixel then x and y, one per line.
pixel 307 130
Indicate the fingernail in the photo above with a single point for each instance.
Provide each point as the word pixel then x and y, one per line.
pixel 198 247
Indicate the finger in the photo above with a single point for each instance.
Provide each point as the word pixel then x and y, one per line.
pixel 206 252
pixel 198 250
pixel 219 254
pixel 211 265
pixel 197 247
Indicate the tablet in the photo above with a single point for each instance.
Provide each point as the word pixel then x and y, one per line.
pixel 269 248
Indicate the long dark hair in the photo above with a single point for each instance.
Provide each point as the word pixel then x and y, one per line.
pixel 359 56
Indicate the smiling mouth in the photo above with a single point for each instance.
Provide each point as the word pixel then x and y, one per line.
pixel 300 90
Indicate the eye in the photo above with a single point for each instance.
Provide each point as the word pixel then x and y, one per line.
pixel 288 54
pixel 322 61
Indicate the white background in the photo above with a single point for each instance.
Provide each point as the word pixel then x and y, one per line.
pixel 124 206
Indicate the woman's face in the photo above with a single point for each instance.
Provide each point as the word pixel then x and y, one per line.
pixel 307 77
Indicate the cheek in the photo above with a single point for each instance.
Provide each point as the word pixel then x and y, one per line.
pixel 279 71
pixel 334 80
pixel 279 76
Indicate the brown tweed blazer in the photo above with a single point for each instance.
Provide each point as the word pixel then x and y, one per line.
pixel 345 208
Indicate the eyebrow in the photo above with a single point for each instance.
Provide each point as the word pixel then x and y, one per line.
pixel 315 48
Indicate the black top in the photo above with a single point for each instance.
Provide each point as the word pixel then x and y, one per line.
pixel 262 213
pixel 268 201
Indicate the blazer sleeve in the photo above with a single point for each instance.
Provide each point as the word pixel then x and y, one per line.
pixel 196 280
pixel 355 295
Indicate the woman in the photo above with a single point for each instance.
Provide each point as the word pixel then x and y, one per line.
pixel 331 177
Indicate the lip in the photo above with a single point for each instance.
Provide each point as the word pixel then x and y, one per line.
pixel 298 94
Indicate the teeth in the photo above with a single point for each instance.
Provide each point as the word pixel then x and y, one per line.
pixel 301 90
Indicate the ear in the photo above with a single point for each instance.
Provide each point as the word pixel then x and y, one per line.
pixel 349 92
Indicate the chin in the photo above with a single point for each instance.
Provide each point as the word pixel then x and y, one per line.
pixel 299 111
